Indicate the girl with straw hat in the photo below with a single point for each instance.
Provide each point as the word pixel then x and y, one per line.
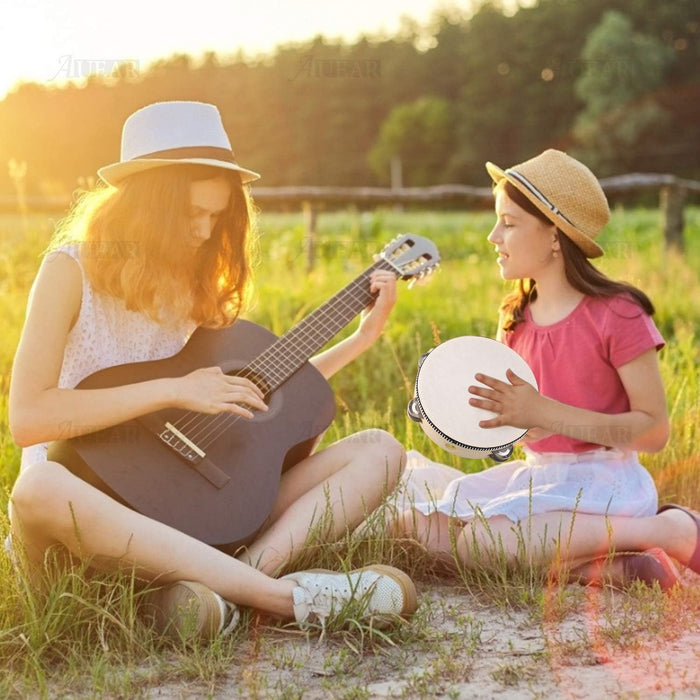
pixel 592 345
pixel 136 267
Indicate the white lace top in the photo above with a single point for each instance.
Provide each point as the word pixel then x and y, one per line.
pixel 107 334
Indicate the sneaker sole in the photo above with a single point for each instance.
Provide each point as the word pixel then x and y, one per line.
pixel 174 614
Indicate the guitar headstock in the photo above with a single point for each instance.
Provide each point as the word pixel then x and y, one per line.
pixel 411 257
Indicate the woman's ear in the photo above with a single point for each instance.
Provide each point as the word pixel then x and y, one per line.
pixel 556 246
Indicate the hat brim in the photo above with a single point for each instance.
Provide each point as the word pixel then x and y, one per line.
pixel 115 173
pixel 588 246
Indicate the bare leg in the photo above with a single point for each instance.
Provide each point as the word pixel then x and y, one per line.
pixel 336 487
pixel 579 537
pixel 51 506
pixel 575 538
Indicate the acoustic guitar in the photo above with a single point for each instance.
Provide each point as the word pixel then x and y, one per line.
pixel 216 477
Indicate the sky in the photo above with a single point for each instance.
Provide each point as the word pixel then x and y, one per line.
pixel 52 40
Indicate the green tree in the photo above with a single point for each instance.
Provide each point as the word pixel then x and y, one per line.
pixel 622 70
pixel 420 135
pixel 309 113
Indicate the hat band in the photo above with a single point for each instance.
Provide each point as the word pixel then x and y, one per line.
pixel 535 192
pixel 184 152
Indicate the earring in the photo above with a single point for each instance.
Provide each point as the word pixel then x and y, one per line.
pixel 555 254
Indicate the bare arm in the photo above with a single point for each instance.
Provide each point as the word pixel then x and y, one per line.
pixel 371 326
pixel 644 427
pixel 41 412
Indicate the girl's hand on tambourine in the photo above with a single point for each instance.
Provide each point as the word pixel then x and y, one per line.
pixel 209 390
pixel 515 403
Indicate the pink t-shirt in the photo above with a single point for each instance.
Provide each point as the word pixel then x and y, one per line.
pixel 576 359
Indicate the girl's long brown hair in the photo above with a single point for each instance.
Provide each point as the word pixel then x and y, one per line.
pixel 134 245
pixel 580 272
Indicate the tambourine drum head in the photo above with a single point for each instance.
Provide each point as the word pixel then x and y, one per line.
pixel 442 388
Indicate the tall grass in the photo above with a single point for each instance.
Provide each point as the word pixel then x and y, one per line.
pixel 85 634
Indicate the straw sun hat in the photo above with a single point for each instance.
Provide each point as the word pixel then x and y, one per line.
pixel 565 191
pixel 166 133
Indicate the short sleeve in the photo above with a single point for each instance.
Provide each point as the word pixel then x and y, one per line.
pixel 631 331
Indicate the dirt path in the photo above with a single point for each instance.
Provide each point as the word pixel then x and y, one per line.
pixel 610 647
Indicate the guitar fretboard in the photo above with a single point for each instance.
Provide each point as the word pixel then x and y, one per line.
pixel 288 353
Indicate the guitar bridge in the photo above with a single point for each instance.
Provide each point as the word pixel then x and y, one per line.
pixel 181 444
pixel 184 448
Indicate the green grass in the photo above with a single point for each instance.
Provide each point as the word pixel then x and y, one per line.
pixel 85 638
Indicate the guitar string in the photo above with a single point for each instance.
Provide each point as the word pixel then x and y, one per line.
pixel 306 333
pixel 285 368
pixel 258 363
pixel 297 354
pixel 298 346
pixel 295 339
pixel 220 423
pixel 218 427
pixel 215 425
pixel 204 428
pixel 202 425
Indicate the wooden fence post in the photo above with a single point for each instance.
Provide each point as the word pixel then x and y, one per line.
pixel 397 179
pixel 672 201
pixel 309 234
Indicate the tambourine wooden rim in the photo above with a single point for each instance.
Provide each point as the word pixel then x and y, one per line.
pixel 441 398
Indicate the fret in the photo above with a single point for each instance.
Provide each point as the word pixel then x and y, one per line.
pixel 284 357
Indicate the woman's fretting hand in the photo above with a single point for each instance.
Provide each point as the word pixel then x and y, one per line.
pixel 374 317
pixel 209 390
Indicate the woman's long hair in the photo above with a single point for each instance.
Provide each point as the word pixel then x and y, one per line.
pixel 135 244
pixel 580 273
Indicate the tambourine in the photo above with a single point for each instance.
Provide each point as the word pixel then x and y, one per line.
pixel 441 399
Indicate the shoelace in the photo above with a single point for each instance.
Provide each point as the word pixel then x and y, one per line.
pixel 322 608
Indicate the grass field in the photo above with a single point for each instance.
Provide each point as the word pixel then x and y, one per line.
pixel 84 636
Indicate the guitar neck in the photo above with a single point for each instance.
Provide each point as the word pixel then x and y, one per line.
pixel 289 352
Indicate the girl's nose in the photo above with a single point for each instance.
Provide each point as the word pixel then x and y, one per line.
pixel 202 227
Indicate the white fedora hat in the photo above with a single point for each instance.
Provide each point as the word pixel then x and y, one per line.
pixel 167 133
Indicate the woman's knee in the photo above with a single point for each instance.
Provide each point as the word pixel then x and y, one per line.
pixel 386 450
pixel 36 491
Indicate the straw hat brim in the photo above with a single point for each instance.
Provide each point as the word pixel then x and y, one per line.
pixel 584 242
pixel 115 173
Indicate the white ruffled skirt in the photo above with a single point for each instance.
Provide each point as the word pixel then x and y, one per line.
pixel 604 482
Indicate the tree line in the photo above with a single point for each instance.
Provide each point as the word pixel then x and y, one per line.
pixel 616 82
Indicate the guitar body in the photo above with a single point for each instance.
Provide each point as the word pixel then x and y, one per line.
pixel 130 462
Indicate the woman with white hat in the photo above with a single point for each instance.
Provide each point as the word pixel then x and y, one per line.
pixel 135 268
pixel 592 345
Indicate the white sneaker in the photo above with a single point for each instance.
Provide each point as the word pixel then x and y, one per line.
pixel 378 589
pixel 188 610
